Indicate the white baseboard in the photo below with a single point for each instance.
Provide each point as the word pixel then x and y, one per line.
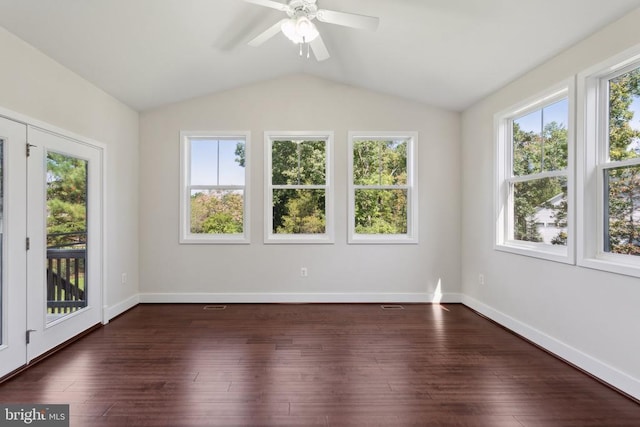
pixel 119 308
pixel 595 367
pixel 247 298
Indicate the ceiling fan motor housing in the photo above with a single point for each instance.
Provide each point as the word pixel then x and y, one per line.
pixel 298 8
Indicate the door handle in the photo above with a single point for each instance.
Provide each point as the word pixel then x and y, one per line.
pixel 28 335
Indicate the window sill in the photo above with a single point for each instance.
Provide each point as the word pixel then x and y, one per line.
pixel 215 239
pixel 537 250
pixel 613 263
pixel 383 239
pixel 298 239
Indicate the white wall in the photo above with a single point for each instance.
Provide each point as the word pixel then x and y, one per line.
pixel 33 85
pixel 591 318
pixel 337 272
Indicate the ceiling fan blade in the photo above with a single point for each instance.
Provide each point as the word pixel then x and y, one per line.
pixel 319 49
pixel 352 20
pixel 270 3
pixel 267 34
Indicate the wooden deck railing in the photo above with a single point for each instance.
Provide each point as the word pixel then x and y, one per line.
pixel 66 291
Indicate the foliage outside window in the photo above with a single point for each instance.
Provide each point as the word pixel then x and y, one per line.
pixel 214 192
pixel 383 193
pixel 534 179
pixel 609 173
pixel 621 167
pixel 299 192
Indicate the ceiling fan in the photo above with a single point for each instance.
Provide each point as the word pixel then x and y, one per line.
pixel 300 29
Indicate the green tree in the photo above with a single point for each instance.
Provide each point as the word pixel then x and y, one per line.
pixel 66 200
pixel 298 163
pixel 624 182
pixel 217 212
pixel 380 163
pixel 536 152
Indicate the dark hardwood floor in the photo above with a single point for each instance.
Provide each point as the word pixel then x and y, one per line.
pixel 314 365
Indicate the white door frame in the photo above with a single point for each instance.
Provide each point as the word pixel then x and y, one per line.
pixel 102 148
pixel 13 347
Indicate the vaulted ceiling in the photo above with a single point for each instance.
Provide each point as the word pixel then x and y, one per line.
pixel 447 53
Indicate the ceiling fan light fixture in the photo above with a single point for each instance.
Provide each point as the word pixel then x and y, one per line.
pixel 299 30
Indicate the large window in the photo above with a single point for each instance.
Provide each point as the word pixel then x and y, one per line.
pixel 214 187
pixel 299 194
pixel 611 174
pixel 383 195
pixel 534 178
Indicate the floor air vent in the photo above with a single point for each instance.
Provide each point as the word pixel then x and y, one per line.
pixel 392 307
pixel 215 307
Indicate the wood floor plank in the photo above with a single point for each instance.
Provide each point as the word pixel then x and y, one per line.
pixel 314 365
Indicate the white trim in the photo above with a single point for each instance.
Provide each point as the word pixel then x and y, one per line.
pixel 503 175
pixel 328 237
pixel 413 219
pixel 109 312
pixel 592 131
pixel 186 237
pixel 246 298
pixel 599 369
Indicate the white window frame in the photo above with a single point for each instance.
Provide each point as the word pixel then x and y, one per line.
pixel 592 130
pixel 504 178
pixel 186 237
pixel 411 237
pixel 273 238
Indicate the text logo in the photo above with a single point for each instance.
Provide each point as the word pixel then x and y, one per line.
pixel 34 415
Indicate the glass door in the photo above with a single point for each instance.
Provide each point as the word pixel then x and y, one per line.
pixel 65 230
pixel 13 260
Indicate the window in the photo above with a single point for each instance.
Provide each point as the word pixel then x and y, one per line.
pixel 383 194
pixel 534 178
pixel 299 189
pixel 214 193
pixel 611 172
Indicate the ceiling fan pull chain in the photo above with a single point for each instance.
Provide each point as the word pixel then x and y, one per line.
pixel 308 56
pixel 300 49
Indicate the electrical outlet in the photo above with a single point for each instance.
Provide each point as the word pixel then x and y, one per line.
pixel 304 272
pixel 124 278
pixel 481 279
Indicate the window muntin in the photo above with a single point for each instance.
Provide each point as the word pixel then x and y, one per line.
pixel 383 193
pixel 621 167
pixel 214 192
pixel 534 181
pixel 299 188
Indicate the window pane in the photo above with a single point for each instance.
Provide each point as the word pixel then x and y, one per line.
pixel 380 162
pixel 284 163
pixel 217 162
pixel 66 235
pixel 555 119
pixel 313 162
pixel 540 211
pixel 204 162
pixel 298 211
pixel 231 164
pixel 624 116
pixel 527 150
pixel 622 222
pixel 298 162
pixel 217 211
pixel 381 211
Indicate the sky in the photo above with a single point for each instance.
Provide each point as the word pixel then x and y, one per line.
pixel 559 111
pixel 213 162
